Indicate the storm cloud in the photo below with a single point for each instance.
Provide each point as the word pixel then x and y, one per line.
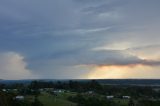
pixel 56 36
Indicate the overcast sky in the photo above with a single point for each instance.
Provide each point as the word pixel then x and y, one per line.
pixel 62 39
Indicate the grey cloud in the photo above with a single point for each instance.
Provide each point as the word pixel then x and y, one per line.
pixel 59 34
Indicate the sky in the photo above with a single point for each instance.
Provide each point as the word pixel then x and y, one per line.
pixel 79 39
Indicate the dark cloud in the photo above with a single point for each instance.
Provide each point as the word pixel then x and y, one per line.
pixel 54 36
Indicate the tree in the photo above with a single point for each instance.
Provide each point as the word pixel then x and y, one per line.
pixel 131 103
pixel 36 102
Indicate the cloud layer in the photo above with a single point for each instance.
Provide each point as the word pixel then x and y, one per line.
pixel 64 38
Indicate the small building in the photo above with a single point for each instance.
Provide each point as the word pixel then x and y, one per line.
pixel 4 90
pixel 126 97
pixel 15 89
pixel 56 92
pixel 90 92
pixel 59 91
pixel 110 97
pixel 41 90
pixel 19 97
pixel 156 89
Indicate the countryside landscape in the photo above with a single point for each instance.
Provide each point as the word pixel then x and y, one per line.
pixel 80 93
pixel 79 52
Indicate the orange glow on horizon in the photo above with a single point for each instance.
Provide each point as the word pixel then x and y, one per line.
pixel 121 72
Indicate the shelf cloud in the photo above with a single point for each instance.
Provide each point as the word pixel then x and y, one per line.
pixel 77 38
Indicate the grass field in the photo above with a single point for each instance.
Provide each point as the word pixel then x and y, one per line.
pixel 48 99
pixel 121 102
pixel 60 100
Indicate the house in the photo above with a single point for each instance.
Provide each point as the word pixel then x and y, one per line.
pixel 56 92
pixel 41 90
pixel 19 97
pixel 126 97
pixel 59 91
pixel 4 90
pixel 15 89
pixel 110 97
pixel 90 92
pixel 156 89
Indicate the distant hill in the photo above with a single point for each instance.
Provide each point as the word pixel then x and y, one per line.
pixel 140 82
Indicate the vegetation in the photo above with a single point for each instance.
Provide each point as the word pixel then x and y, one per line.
pixel 74 93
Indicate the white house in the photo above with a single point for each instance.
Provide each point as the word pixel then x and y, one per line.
pixel 126 97
pixel 4 90
pixel 59 91
pixel 19 97
pixel 15 89
pixel 110 97
pixel 90 92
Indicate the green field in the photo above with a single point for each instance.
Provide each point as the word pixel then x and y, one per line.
pixel 121 102
pixel 60 100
